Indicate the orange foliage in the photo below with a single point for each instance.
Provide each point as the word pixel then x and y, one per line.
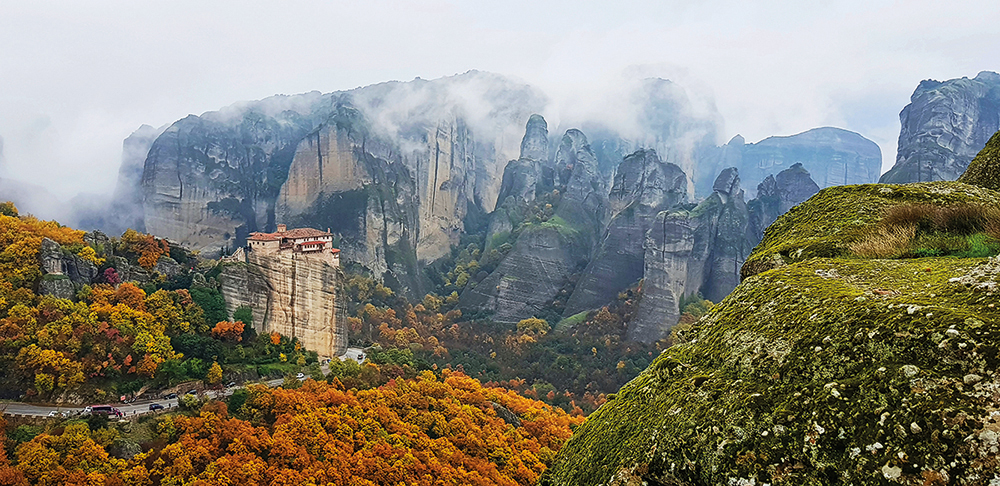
pixel 146 247
pixel 424 431
pixel 231 331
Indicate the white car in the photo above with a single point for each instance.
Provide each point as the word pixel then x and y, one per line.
pixel 300 376
pixel 56 413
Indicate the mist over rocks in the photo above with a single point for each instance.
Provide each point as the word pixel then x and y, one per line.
pixel 832 156
pixel 944 126
pixel 400 172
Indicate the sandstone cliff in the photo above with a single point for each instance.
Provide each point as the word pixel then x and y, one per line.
pixel 643 186
pixel 290 293
pixel 775 196
pixel 944 126
pixel 832 157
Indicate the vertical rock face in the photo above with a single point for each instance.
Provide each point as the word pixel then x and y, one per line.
pixel 529 277
pixel 291 293
pixel 209 181
pixel 643 186
pixel 775 196
pixel 547 251
pixel 692 251
pixel 944 126
pixel 128 195
pixel 668 247
pixel 398 166
pixel 832 156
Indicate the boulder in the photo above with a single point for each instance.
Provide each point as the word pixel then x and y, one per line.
pixel 825 370
pixel 984 170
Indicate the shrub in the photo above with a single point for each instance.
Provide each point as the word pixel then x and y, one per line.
pixel 886 242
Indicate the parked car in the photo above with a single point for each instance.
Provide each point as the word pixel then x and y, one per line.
pixel 192 392
pixel 56 413
pixel 171 396
pixel 230 384
pixel 155 406
pixel 300 376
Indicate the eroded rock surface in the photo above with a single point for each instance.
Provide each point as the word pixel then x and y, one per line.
pixel 822 370
pixel 290 293
pixel 944 126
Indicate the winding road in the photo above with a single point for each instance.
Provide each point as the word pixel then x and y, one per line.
pixel 140 407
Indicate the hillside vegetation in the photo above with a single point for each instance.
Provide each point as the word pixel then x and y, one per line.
pixel 830 363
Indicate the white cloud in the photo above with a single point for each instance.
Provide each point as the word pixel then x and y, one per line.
pixel 77 77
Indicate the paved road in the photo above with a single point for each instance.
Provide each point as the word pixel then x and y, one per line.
pixel 142 406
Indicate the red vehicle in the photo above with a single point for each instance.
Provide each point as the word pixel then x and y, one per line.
pixel 104 410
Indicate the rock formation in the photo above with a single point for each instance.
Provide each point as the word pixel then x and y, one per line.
pixel 306 155
pixel 832 157
pixel 691 251
pixel 775 196
pixel 984 170
pixel 944 126
pixel 643 186
pixel 292 293
pixel 828 369
pixel 554 241
pixel 668 248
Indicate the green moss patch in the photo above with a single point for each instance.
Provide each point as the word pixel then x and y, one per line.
pixel 984 170
pixel 832 220
pixel 824 371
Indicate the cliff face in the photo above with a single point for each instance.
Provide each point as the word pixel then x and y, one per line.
pixel 643 185
pixel 553 237
pixel 944 126
pixel 290 293
pixel 393 169
pixel 691 251
pixel 832 157
pixel 827 369
pixel 209 181
pixel 775 196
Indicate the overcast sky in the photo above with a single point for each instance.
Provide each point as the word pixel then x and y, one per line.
pixel 77 77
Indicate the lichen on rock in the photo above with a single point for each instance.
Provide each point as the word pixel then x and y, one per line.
pixel 826 369
pixel 984 170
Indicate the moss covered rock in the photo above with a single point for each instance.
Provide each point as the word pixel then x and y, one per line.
pixel 829 222
pixel 984 170
pixel 823 370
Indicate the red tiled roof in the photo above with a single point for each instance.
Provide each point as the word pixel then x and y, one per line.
pixel 264 236
pixel 312 243
pixel 291 234
pixel 334 250
pixel 303 233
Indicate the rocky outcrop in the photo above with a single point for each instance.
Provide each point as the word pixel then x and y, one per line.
pixel 643 186
pixel 291 293
pixel 691 251
pixel 984 170
pixel 58 262
pixel 668 249
pixel 553 238
pixel 944 126
pixel 832 157
pixel 826 370
pixel 775 196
